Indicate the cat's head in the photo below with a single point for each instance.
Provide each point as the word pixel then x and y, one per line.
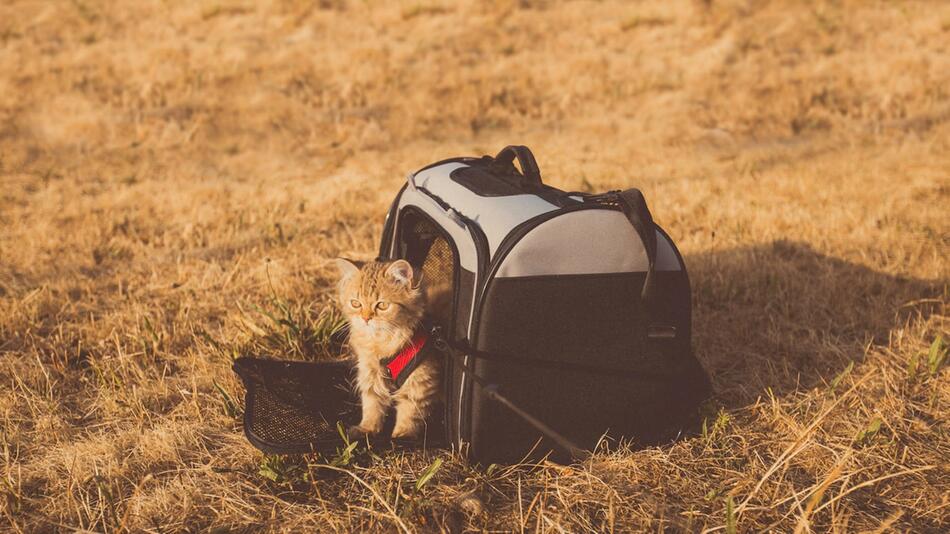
pixel 380 297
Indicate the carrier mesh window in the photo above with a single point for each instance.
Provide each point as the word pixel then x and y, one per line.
pixel 426 247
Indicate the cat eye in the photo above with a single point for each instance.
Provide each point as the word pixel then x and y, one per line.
pixel 355 303
pixel 382 305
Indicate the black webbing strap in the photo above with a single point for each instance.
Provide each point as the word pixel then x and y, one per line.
pixel 634 207
pixel 493 393
pixel 491 390
pixel 464 347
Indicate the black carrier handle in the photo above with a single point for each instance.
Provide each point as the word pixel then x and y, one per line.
pixel 529 166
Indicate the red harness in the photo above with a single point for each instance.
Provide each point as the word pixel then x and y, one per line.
pixel 402 364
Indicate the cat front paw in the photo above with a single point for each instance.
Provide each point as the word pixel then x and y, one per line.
pixel 358 432
pixel 408 432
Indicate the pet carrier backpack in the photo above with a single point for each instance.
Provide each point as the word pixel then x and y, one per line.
pixel 570 321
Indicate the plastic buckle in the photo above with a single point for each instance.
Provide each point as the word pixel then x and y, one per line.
pixel 613 194
pixel 437 340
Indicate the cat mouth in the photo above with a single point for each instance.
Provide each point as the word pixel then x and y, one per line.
pixel 374 324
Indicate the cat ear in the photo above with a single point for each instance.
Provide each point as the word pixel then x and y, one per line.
pixel 401 271
pixel 347 267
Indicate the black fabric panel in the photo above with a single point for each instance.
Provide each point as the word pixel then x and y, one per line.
pixel 487 180
pixel 484 183
pixel 582 407
pixel 593 320
pixel 585 319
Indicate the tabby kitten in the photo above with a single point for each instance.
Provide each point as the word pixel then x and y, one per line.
pixel 384 303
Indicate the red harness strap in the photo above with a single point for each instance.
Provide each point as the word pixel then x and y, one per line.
pixel 402 364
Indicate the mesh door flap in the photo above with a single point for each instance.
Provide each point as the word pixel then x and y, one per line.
pixel 294 407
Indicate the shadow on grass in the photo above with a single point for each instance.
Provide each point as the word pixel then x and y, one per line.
pixel 786 317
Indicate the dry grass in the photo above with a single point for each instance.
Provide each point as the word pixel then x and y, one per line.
pixel 169 169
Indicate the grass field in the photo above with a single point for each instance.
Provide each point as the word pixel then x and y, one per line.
pixel 170 171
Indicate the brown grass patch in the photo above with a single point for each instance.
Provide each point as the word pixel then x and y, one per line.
pixel 170 171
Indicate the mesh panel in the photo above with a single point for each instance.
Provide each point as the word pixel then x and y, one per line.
pixel 274 421
pixel 425 245
pixel 294 407
pixel 439 264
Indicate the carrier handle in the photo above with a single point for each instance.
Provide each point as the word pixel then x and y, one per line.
pixel 529 166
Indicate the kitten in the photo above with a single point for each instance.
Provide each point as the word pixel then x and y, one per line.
pixel 384 303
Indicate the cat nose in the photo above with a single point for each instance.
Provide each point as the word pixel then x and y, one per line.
pixel 366 316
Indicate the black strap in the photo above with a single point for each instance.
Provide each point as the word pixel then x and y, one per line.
pixel 463 347
pixel 634 207
pixel 493 393
pixel 529 166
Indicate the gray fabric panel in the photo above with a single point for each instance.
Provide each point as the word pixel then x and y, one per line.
pixel 468 256
pixel 584 242
pixel 496 216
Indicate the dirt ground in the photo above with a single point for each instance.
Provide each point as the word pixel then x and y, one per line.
pixel 173 172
